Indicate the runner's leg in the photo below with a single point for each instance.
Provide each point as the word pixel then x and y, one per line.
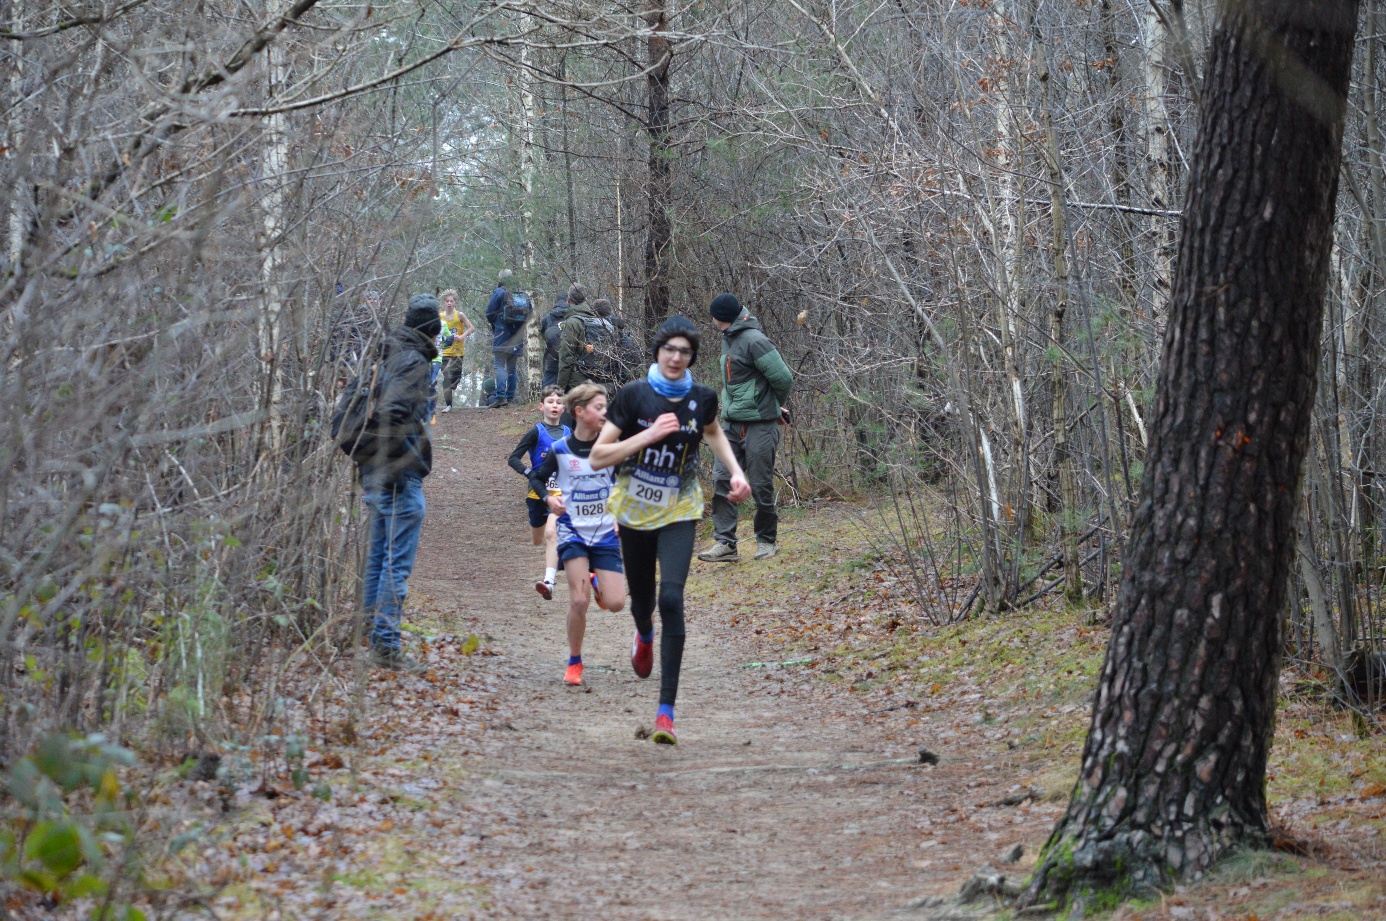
pixel 638 554
pixel 674 549
pixel 579 599
pixel 551 543
pixel 613 589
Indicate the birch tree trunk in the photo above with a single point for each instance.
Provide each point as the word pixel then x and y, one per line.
pixel 534 343
pixel 22 202
pixel 274 165
pixel 1157 156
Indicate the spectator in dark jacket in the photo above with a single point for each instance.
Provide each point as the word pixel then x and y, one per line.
pixel 392 477
pixel 551 331
pixel 507 342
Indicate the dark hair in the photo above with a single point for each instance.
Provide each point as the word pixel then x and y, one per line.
pixel 673 328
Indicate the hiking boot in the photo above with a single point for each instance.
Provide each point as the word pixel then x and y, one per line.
pixel 545 589
pixel 642 656
pixel 765 549
pixel 664 731
pixel 395 659
pixel 719 553
pixel 573 676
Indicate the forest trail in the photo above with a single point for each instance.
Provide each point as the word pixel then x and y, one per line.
pixel 485 788
pixel 774 803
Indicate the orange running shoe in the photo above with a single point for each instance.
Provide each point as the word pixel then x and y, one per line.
pixel 573 676
pixel 545 589
pixel 597 593
pixel 664 730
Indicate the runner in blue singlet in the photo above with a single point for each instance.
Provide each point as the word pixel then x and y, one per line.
pixel 536 443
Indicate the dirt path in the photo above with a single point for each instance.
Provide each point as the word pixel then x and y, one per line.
pixel 486 789
pixel 778 801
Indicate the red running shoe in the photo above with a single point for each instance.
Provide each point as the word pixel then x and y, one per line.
pixel 545 589
pixel 664 730
pixel 642 656
pixel 573 676
pixel 597 593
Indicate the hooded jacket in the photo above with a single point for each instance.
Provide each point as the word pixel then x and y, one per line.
pixel 755 379
pixel 551 330
pixel 572 345
pixel 402 443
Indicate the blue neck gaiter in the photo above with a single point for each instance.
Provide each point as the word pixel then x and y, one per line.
pixel 670 390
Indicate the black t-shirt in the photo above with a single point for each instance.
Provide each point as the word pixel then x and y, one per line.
pixel 658 485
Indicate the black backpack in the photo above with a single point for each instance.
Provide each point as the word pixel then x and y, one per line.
pixel 602 362
pixel 355 420
pixel 552 334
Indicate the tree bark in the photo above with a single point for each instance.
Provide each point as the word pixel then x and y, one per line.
pixel 534 342
pixel 1158 168
pixel 659 231
pixel 1173 771
pixel 1058 372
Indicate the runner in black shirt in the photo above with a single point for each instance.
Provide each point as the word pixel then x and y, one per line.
pixel 652 433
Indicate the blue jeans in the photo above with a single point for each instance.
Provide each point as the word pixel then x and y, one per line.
pixel 434 368
pixel 507 376
pixel 397 515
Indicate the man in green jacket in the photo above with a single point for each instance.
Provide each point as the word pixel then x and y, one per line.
pixel 755 387
pixel 572 341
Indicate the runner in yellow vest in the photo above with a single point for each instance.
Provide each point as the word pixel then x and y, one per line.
pixel 453 354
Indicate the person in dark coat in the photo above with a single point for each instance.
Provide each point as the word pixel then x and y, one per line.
pixel 392 476
pixel 550 329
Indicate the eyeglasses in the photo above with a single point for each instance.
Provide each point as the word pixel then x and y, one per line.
pixel 682 351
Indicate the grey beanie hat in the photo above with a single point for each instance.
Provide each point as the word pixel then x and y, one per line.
pixel 423 315
pixel 504 274
pixel 577 294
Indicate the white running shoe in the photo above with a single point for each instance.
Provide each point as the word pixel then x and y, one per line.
pixel 765 550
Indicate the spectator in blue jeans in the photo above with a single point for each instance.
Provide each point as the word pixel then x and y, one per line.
pixel 392 475
pixel 508 314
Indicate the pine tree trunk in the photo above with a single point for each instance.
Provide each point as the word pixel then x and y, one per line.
pixel 1173 772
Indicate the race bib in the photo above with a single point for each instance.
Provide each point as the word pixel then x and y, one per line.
pixel 552 486
pixel 657 489
pixel 588 504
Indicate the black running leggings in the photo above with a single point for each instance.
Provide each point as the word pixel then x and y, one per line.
pixel 672 548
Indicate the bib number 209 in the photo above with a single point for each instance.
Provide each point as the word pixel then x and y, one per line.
pixel 657 490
